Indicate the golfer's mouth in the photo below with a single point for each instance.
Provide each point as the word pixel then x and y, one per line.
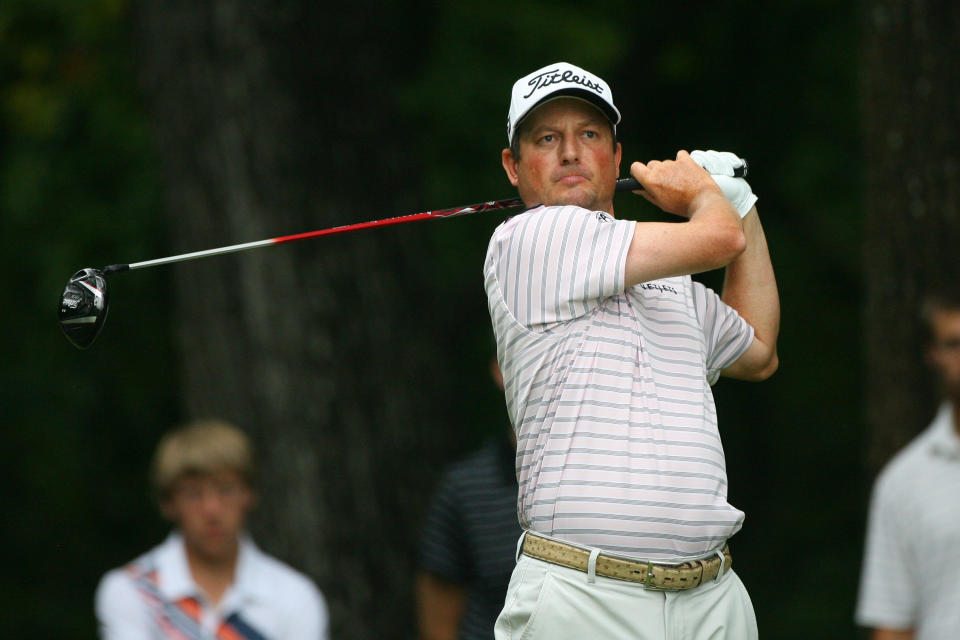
pixel 572 180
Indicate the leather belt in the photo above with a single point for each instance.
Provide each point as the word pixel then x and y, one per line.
pixel 654 576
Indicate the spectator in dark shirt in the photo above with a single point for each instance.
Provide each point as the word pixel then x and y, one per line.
pixel 468 546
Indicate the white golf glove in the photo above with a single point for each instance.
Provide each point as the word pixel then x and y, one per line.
pixel 721 165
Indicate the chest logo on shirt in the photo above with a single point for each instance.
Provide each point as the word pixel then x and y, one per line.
pixel 657 286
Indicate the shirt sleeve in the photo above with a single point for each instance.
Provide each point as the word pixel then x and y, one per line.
pixel 442 539
pixel 726 334
pixel 887 597
pixel 555 264
pixel 120 609
pixel 308 617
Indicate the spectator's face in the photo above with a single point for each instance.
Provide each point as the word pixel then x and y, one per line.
pixel 210 512
pixel 567 156
pixel 944 353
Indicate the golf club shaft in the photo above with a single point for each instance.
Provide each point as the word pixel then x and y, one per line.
pixel 624 184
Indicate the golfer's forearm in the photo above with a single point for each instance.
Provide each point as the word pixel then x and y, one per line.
pixel 709 240
pixel 750 286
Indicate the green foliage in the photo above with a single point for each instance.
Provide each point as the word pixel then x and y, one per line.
pixel 79 186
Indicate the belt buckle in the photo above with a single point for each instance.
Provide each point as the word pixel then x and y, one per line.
pixel 647 582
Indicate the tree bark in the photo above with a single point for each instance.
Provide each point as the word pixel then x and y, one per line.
pixel 274 119
pixel 911 107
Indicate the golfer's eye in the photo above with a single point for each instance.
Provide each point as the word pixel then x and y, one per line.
pixel 548 138
pixel 590 134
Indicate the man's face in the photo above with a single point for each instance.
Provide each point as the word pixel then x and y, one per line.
pixel 944 352
pixel 210 512
pixel 567 156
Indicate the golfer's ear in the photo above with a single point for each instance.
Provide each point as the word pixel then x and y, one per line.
pixel 510 166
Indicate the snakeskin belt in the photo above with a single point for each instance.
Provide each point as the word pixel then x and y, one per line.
pixel 654 576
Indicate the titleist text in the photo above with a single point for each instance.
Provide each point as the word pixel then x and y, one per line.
pixel 551 77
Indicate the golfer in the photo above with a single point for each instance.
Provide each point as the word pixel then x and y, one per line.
pixel 608 350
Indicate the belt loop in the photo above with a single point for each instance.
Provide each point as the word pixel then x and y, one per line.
pixel 592 566
pixel 723 560
pixel 516 557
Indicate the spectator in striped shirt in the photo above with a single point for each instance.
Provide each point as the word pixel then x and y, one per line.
pixel 207 580
pixel 909 589
pixel 468 541
pixel 609 350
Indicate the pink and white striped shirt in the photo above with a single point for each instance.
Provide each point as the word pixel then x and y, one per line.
pixel 608 388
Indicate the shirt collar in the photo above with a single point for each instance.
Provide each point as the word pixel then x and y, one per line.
pixel 173 572
pixel 944 440
pixel 251 580
pixel 177 583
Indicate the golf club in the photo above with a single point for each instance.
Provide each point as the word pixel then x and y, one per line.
pixel 85 300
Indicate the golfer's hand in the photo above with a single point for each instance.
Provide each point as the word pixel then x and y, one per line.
pixel 722 165
pixel 675 186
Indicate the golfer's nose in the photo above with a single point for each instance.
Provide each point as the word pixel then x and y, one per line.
pixel 569 149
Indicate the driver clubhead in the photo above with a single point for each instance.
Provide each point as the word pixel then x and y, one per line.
pixel 83 307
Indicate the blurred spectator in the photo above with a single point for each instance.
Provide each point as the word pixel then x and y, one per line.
pixel 909 588
pixel 207 579
pixel 467 551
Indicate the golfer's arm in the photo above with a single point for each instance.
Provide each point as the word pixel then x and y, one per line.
pixel 750 287
pixel 440 604
pixel 710 239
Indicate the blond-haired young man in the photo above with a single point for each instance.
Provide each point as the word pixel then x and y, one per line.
pixel 207 579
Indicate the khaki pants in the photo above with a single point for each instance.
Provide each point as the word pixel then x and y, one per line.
pixel 547 601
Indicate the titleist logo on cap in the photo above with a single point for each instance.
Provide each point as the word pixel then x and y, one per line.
pixel 552 77
pixel 555 81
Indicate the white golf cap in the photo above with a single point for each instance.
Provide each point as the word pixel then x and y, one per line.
pixel 558 80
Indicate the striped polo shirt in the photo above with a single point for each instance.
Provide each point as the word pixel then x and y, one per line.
pixel 608 388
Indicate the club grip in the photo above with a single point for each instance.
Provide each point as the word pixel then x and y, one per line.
pixel 631 184
pixel 628 184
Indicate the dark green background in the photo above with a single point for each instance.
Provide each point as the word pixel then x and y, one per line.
pixel 80 185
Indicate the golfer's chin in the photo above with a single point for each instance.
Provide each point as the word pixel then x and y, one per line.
pixel 581 195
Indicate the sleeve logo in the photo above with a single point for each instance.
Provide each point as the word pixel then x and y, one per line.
pixel 658 286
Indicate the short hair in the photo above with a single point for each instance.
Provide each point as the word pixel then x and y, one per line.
pixel 934 302
pixel 200 448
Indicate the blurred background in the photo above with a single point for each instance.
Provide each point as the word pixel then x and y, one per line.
pixel 136 129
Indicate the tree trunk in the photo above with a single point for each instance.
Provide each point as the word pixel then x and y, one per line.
pixel 272 119
pixel 911 107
